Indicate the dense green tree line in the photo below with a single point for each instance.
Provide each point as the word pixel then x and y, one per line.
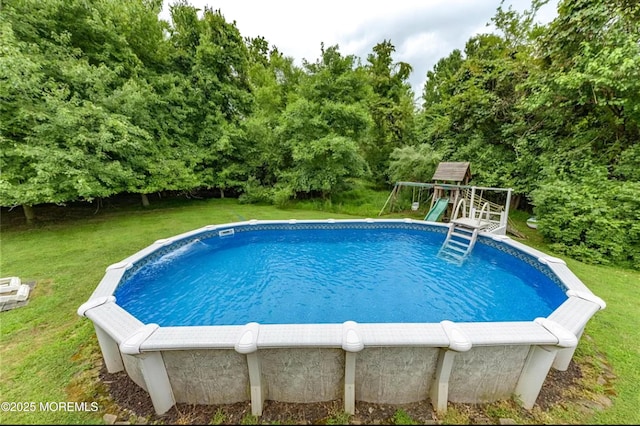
pixel 100 97
pixel 551 111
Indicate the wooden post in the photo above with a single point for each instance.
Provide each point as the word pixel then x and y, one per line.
pixel 393 191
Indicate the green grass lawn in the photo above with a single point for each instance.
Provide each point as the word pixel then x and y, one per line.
pixel 49 354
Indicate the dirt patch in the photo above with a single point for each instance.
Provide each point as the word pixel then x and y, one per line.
pixel 556 384
pixel 137 407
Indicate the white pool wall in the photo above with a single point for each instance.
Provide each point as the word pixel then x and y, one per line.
pixel 382 363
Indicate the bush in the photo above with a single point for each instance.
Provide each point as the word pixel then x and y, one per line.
pixel 255 193
pixel 595 220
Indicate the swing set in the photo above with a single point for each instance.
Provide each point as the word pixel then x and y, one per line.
pixel 421 194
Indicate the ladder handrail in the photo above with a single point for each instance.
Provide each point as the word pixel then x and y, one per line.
pixel 464 210
pixel 486 214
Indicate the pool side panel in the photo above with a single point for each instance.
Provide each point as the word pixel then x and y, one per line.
pixel 398 363
pixel 133 367
pixel 395 375
pixel 303 374
pixel 486 373
pixel 207 376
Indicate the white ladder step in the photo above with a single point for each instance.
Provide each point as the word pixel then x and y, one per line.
pixel 452 255
pixel 463 228
pixel 457 250
pixel 465 236
pixel 459 243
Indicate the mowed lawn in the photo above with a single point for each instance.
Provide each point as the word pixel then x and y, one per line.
pixel 49 354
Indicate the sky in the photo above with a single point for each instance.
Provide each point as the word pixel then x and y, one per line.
pixel 422 31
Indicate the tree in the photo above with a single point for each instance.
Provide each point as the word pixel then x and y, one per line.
pixel 588 89
pixel 214 58
pixel 321 130
pixel 471 110
pixel 413 163
pixel 274 84
pixel 89 124
pixel 469 106
pixel 440 82
pixel 391 108
pixel 58 140
pixel 587 94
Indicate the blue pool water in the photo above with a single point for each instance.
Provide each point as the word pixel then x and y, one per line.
pixel 331 276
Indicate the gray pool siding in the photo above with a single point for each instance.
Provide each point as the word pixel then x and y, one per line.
pixel 486 374
pixel 493 361
pixel 303 375
pixel 133 368
pixel 395 375
pixel 391 375
pixel 207 376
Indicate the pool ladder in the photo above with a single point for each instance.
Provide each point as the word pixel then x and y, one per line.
pixel 459 242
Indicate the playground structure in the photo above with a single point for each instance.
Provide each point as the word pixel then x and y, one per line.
pixel 464 207
pixel 452 200
pixel 448 173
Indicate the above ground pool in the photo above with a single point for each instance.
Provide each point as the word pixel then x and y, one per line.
pixel 362 310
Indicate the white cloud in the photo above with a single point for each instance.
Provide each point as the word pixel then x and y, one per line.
pixel 423 31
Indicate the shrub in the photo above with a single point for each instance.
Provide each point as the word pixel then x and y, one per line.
pixel 595 219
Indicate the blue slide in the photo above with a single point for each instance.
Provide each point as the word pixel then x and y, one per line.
pixel 438 209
